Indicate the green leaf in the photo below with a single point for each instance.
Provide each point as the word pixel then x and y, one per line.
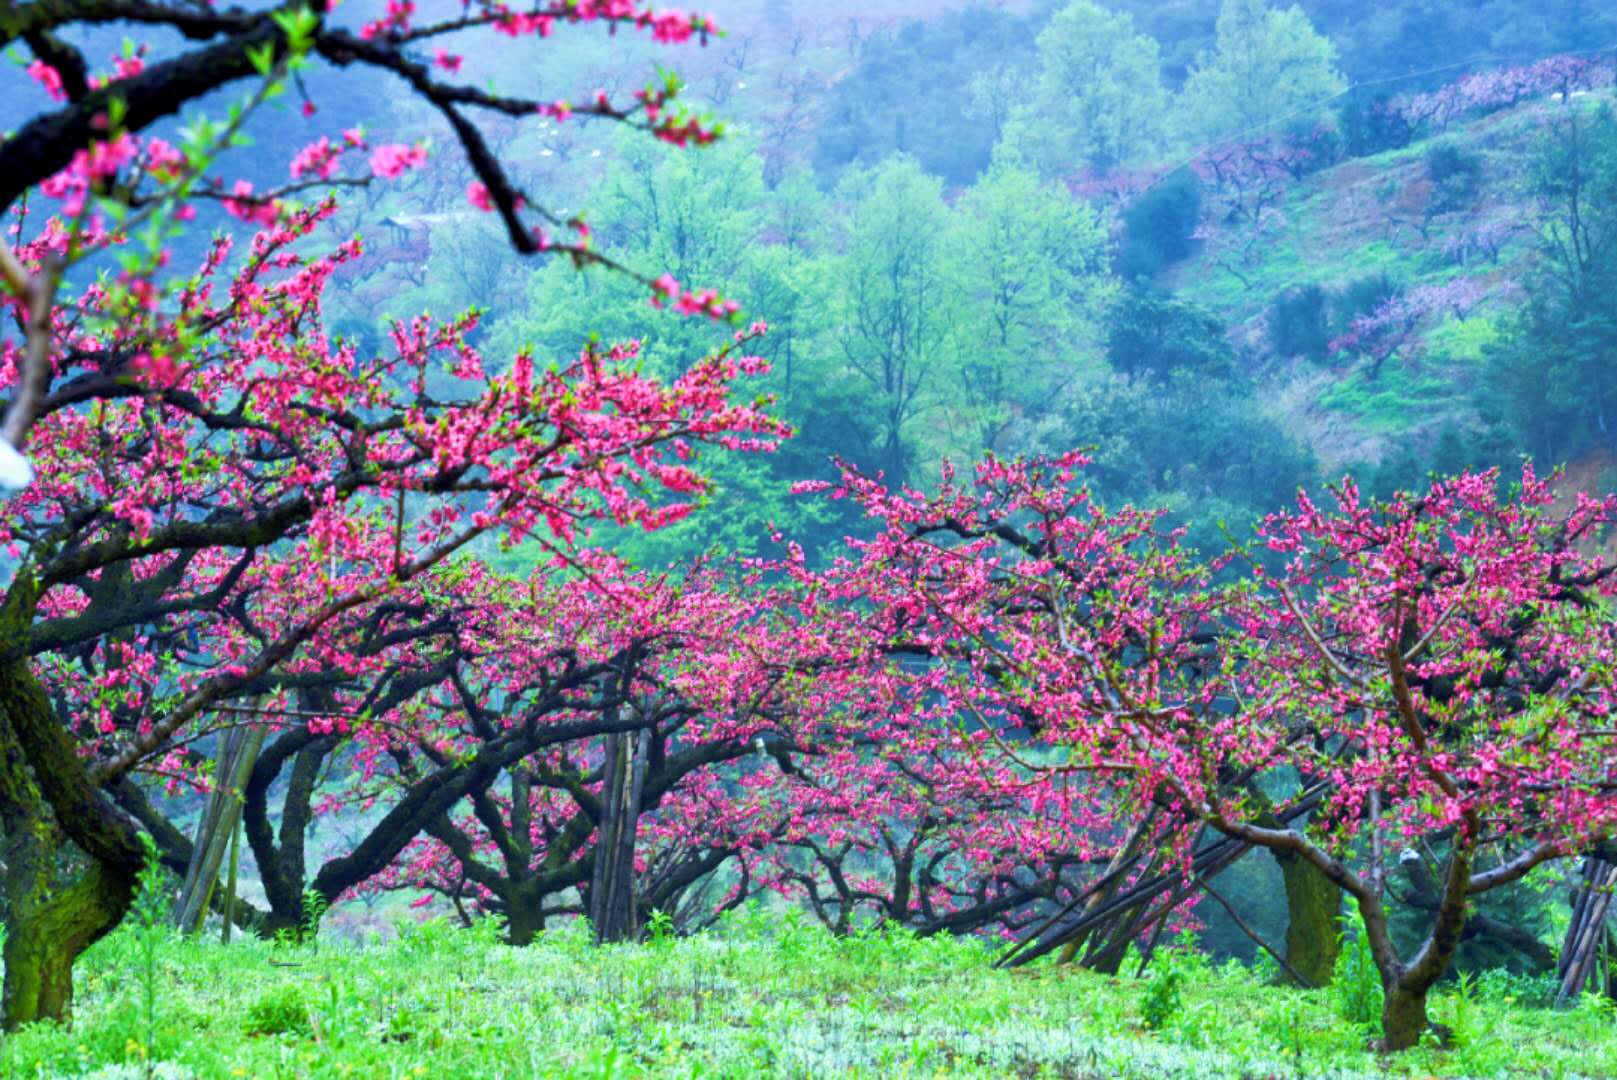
pixel 262 58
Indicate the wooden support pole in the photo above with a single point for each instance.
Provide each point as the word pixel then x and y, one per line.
pixel 216 829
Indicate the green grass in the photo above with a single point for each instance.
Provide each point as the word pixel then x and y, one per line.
pixel 1463 340
pixel 1387 401
pixel 761 996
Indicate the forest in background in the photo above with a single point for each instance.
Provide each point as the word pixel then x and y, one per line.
pixel 947 267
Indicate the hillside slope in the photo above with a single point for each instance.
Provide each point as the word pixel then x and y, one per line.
pixel 1459 244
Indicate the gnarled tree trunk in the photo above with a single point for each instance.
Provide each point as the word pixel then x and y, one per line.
pixel 1403 1017
pixel 1403 1011
pixel 50 929
pixel 51 918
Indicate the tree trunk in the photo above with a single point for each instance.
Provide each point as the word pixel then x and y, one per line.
pixel 523 920
pixel 47 935
pixel 1313 902
pixel 1403 1012
pixel 1403 1018
pixel 612 908
pixel 47 798
pixel 280 854
pixel 49 921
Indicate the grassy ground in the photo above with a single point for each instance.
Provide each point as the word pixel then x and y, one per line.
pixel 757 997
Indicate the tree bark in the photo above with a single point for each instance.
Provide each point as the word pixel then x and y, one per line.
pixel 524 915
pixel 1403 1018
pixel 50 931
pixel 50 922
pixel 1403 1012
pixel 612 907
pixel 1313 902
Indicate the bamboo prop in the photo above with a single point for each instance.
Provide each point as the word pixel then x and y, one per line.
pixel 612 907
pixel 230 881
pixel 1062 927
pixel 1580 950
pixel 216 829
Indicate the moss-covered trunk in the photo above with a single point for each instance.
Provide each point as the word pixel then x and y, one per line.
pixel 1403 1018
pixel 1403 1011
pixel 524 918
pixel 47 797
pixel 1313 902
pixel 51 917
pixel 49 930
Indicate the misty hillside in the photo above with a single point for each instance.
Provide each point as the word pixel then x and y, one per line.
pixel 1453 213
pixel 1366 230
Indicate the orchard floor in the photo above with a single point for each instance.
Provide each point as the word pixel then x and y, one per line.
pixel 759 996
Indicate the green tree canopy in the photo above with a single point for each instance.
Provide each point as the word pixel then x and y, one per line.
pixel 1099 100
pixel 1028 267
pixel 1553 376
pixel 888 309
pixel 1269 66
pixel 1150 335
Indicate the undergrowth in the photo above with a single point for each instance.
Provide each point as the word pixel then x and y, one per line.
pixel 763 995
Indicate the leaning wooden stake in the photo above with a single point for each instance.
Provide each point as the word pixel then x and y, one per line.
pixel 230 881
pixel 612 908
pixel 238 751
pixel 1581 948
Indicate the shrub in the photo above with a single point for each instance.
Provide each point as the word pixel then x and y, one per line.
pixel 1501 985
pixel 1446 161
pixel 1361 297
pixel 1159 225
pixel 1297 322
pixel 1455 173
pixel 1356 984
pixel 1371 124
pixel 1162 1001
pixel 283 1011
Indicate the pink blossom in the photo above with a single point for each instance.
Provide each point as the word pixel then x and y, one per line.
pixel 392 160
